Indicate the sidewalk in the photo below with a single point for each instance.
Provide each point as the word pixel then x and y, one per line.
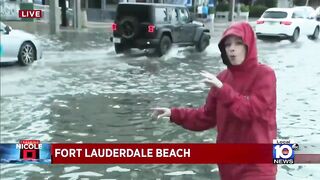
pixel 218 23
pixel 105 27
pixel 91 24
pixel 224 23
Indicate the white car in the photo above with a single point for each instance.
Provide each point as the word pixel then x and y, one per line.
pixel 17 45
pixel 288 23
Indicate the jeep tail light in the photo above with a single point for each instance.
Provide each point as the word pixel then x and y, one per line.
pixel 260 22
pixel 114 26
pixel 286 22
pixel 151 28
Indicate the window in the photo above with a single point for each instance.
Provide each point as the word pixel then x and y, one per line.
pixel 275 14
pixel 184 16
pixel 297 14
pixel 311 13
pixel 143 13
pixel 305 12
pixel 2 26
pixel 175 17
pixel 163 15
pixel 170 14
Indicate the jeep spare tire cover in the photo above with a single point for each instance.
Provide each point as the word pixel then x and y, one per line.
pixel 128 27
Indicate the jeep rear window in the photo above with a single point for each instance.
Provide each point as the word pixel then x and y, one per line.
pixel 142 12
pixel 275 14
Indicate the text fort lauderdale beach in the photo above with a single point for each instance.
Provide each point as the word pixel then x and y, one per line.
pixel 123 152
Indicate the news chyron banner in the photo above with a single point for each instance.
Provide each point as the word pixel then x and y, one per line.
pixel 33 151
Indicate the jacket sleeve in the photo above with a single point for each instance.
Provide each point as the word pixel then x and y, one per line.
pixel 260 104
pixel 199 119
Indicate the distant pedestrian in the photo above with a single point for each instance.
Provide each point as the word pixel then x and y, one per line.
pixel 241 103
pixel 205 11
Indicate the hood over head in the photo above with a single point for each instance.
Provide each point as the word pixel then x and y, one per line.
pixel 246 33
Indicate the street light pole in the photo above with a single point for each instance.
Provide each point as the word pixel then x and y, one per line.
pixel 53 17
pixel 231 10
pixel 76 14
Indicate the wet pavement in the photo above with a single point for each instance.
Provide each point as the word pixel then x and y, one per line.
pixel 81 91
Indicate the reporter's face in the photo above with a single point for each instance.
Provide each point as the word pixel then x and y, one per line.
pixel 235 49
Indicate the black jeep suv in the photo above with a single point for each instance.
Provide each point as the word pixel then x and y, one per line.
pixel 156 26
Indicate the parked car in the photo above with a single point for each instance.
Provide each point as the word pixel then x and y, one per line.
pixel 288 23
pixel 318 13
pixel 17 45
pixel 156 26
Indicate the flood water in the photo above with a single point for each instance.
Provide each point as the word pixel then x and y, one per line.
pixel 82 92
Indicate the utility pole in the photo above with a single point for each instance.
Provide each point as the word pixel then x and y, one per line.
pixel 195 9
pixel 53 17
pixel 231 9
pixel 76 14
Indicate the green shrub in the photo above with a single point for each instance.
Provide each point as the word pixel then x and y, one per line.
pixel 212 10
pixel 299 2
pixel 191 8
pixel 244 8
pixel 257 11
pixel 222 7
pixel 271 3
pixel 225 7
pixel 267 3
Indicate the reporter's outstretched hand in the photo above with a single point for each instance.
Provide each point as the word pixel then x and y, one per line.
pixel 161 112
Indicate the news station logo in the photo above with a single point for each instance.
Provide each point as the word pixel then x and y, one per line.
pixel 26 13
pixel 283 151
pixel 29 149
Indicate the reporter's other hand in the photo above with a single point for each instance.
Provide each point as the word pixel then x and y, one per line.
pixel 211 79
pixel 161 112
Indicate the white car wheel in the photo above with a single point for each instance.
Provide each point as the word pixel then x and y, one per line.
pixel 295 35
pixel 315 35
pixel 26 54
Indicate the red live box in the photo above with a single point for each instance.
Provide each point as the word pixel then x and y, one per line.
pixel 30 13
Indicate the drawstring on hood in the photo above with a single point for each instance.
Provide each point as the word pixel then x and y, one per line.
pixel 246 33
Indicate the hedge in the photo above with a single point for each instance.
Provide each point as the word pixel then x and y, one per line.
pixel 244 8
pixel 222 7
pixel 257 11
pixel 267 3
